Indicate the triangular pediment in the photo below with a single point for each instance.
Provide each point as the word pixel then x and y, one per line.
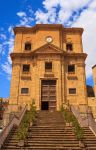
pixel 48 48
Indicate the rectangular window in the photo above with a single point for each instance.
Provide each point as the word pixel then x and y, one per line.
pixel 71 68
pixel 24 90
pixel 72 90
pixel 48 66
pixel 26 68
pixel 28 46
pixel 69 46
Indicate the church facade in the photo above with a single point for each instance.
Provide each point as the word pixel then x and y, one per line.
pixel 48 66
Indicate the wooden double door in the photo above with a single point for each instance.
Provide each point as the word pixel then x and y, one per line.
pixel 48 95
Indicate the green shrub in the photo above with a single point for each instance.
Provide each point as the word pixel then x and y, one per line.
pixel 22 133
pixel 70 118
pixel 28 117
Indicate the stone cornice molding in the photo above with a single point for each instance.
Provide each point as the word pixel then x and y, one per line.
pixel 43 26
pixel 77 55
pixel 48 49
pixel 36 27
pixel 29 55
pixel 50 46
pixel 94 67
pixel 73 30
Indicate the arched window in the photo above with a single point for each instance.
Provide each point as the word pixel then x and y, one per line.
pixel 28 46
pixel 69 47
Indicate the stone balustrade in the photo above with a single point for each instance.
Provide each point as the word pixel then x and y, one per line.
pixel 87 121
pixel 15 121
pixel 83 121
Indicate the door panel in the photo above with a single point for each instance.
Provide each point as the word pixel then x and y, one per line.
pixel 48 93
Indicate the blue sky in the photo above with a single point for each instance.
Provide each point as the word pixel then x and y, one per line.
pixel 70 13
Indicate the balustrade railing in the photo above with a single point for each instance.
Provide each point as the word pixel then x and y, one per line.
pixel 85 121
pixel 15 121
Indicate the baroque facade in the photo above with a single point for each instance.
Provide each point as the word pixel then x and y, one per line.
pixel 48 65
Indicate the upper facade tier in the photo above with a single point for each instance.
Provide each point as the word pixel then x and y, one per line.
pixel 29 39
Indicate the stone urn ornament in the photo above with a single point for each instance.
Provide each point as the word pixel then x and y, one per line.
pixel 31 124
pixel 81 144
pixel 21 143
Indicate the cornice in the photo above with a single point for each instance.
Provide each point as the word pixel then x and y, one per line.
pixel 19 55
pixel 94 67
pixel 77 55
pixel 36 52
pixel 51 46
pixel 41 50
pixel 37 26
pixel 73 30
pixel 43 26
pixel 64 54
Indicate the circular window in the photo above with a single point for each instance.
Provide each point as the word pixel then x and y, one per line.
pixel 49 39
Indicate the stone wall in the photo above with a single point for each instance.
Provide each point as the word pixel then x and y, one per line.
pixel 40 53
pixel 92 104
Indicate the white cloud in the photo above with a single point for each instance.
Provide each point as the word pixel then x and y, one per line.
pixel 63 10
pixel 49 4
pixel 42 17
pixel 21 14
pixel 7 46
pixel 93 5
pixel 5 49
pixel 65 4
pixel 78 13
pixel 7 68
pixel 10 30
pixel 63 16
pixel 8 42
pixel 73 4
pixel 84 16
pixel 3 36
pixel 87 21
pixel 25 19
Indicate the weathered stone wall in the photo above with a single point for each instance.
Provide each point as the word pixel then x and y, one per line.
pixel 92 104
pixel 60 62
pixel 94 78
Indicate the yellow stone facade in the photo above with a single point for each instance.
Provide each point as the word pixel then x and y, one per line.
pixel 48 44
pixel 94 78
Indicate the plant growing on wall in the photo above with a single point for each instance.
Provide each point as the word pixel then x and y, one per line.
pixel 32 113
pixel 23 129
pixel 70 118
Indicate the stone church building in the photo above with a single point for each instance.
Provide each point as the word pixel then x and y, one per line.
pixel 48 65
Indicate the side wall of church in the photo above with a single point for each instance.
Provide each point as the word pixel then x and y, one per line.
pixel 94 78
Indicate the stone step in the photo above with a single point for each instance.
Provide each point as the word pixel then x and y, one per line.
pixel 48 136
pixel 54 144
pixel 50 133
pixel 46 142
pixel 44 148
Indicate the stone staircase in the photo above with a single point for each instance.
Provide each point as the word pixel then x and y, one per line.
pixel 50 133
